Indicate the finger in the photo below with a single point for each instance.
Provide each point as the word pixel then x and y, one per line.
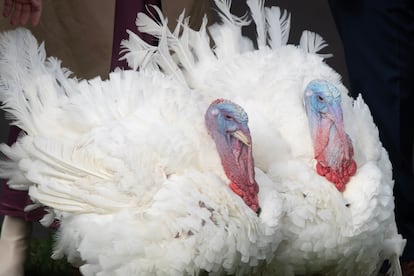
pixel 36 12
pixel 17 11
pixel 25 14
pixel 36 4
pixel 8 6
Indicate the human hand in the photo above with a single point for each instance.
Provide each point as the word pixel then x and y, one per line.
pixel 22 10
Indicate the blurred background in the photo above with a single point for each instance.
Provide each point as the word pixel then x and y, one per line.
pixel 80 34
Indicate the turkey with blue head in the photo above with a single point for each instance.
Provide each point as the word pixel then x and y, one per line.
pixel 333 147
pixel 136 168
pixel 325 157
pixel 227 124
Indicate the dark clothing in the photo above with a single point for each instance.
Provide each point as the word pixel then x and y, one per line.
pixel 13 202
pixel 378 41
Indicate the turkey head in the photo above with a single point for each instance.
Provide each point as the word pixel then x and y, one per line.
pixel 226 123
pixel 332 147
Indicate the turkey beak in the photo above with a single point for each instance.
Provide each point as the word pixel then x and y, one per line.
pixel 244 137
pixel 334 114
pixel 238 134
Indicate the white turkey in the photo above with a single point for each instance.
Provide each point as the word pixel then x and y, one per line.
pixel 319 146
pixel 145 176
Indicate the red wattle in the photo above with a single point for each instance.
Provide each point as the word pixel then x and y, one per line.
pixel 340 177
pixel 236 190
pixel 249 197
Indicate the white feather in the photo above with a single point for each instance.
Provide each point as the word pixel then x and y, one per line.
pixel 223 8
pixel 278 26
pixel 257 10
pixel 312 43
pixel 139 52
pixel 325 231
pixel 129 169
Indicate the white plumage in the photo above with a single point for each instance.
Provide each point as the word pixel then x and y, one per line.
pixel 128 168
pixel 325 231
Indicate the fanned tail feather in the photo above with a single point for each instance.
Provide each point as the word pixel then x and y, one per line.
pixel 173 50
pixel 184 51
pixel 257 12
pixel 200 42
pixel 178 51
pixel 223 8
pixel 227 35
pixel 272 26
pixel 163 57
pixel 278 27
pixel 312 43
pixel 137 52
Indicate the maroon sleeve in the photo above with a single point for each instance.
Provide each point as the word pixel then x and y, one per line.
pixel 125 16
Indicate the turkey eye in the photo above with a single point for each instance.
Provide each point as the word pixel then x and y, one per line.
pixel 320 99
pixel 228 117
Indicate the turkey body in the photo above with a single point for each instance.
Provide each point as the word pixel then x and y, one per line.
pixel 325 231
pixel 128 168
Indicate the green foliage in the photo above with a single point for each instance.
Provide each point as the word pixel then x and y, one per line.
pixel 40 263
